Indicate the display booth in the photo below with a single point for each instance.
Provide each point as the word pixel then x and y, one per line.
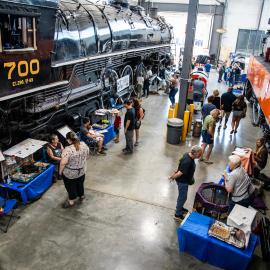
pixel 22 175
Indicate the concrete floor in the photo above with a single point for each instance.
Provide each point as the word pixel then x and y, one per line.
pixel 126 221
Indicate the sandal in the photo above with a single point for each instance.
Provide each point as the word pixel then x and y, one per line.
pixel 81 198
pixel 67 204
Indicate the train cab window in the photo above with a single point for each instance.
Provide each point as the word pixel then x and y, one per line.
pixel 18 33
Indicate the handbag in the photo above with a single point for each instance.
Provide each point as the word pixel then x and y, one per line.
pixel 137 124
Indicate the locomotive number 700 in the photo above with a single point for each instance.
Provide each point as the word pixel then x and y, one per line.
pixel 23 68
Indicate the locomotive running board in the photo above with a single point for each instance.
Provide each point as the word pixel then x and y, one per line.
pixel 107 55
pixel 37 89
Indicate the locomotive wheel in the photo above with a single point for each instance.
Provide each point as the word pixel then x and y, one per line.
pixel 128 71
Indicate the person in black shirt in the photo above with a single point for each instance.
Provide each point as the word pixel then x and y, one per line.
pixel 129 126
pixel 227 99
pixel 217 100
pixel 239 108
pixel 184 177
pixel 54 152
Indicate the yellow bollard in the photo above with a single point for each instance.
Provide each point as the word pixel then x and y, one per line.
pixel 185 126
pixel 176 109
pixel 171 113
pixel 191 109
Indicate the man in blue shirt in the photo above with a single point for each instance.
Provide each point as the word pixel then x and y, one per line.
pixel 208 107
pixel 207 67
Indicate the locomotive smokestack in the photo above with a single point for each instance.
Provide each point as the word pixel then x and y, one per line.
pixel 122 3
pixel 153 12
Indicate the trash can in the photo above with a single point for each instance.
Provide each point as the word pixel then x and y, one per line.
pixel 197 128
pixel 174 130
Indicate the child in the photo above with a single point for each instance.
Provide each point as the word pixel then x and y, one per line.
pixel 117 127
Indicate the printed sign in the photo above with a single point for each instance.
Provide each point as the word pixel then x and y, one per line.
pixel 122 83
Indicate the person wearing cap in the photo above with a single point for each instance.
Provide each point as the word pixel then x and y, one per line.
pixel 129 126
pixel 208 132
pixel 238 183
pixel 183 177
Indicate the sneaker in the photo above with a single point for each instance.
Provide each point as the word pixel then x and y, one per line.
pixel 224 127
pixel 232 131
pixel 104 148
pixel 178 218
pixel 102 153
pixel 184 210
pixel 128 152
pixel 208 162
pixel 136 143
pixel 124 150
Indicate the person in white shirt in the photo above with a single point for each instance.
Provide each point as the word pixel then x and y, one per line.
pixel 238 184
pixel 146 85
pixel 139 86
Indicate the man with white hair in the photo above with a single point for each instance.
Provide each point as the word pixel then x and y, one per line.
pixel 184 177
pixel 238 183
pixel 208 132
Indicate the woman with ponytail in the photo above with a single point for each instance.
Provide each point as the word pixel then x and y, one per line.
pixel 73 168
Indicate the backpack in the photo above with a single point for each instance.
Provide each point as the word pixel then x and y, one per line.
pixel 143 113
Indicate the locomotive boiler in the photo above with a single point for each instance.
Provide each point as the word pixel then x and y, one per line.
pixel 62 60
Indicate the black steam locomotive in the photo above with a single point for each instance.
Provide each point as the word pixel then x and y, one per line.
pixel 61 60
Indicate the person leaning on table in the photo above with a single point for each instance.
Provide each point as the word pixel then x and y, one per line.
pixel 238 184
pixel 73 168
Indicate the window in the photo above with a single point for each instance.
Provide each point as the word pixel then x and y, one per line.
pixel 249 40
pixel 17 33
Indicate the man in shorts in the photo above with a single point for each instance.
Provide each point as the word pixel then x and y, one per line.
pixel 208 132
pixel 87 132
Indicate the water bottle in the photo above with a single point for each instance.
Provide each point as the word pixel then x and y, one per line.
pixel 8 180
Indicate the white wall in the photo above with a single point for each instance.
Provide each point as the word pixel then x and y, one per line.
pixel 242 14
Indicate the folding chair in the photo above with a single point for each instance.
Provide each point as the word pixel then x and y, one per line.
pixel 91 143
pixel 114 105
pixel 7 206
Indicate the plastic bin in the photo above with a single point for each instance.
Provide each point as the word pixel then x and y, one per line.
pixel 174 130
pixel 197 128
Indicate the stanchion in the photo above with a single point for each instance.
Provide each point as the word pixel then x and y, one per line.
pixel 191 109
pixel 185 127
pixel 171 113
pixel 176 109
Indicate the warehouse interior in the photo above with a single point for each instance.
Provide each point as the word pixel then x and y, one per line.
pixel 126 218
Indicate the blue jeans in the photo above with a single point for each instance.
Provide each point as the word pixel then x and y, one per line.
pixel 197 97
pixel 173 92
pixel 182 197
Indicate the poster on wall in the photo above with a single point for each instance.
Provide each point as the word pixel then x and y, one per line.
pixel 122 83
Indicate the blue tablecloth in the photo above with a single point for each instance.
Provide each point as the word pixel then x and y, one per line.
pixel 34 189
pixel 109 134
pixel 194 239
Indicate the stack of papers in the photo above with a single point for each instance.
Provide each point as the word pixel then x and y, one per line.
pixel 240 151
pixel 242 218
